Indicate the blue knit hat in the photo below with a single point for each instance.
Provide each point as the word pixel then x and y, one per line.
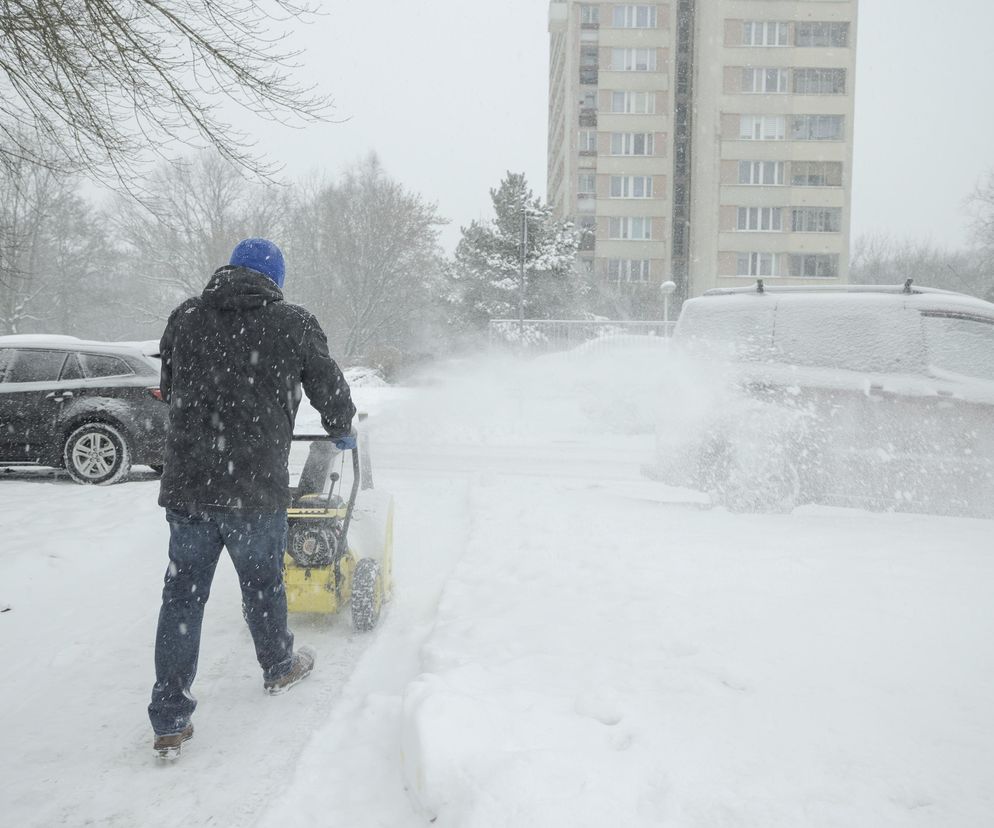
pixel 260 255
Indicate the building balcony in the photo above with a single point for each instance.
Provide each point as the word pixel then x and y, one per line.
pixel 586 202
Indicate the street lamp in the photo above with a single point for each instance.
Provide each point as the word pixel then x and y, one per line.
pixel 667 288
pixel 521 274
pixel 527 212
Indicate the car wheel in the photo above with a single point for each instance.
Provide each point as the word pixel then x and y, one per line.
pixel 367 595
pixel 97 453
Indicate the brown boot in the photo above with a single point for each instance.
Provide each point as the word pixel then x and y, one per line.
pixel 300 668
pixel 167 746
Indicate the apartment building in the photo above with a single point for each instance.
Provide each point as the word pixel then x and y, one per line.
pixel 706 142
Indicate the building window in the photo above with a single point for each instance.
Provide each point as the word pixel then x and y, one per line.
pixel 820 81
pixel 588 141
pixel 590 14
pixel 759 218
pixel 631 143
pixel 814 265
pixel 633 103
pixel 631 186
pixel 633 60
pixel 638 228
pixel 634 17
pixel 816 173
pixel 767 80
pixel 764 33
pixel 816 127
pixel 589 57
pixel 586 184
pixel 757 264
pixel 628 270
pixel 816 219
pixel 822 34
pixel 762 127
pixel 769 173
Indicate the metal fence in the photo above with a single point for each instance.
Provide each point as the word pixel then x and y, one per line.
pixel 546 335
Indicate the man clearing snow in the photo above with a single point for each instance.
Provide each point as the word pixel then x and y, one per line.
pixel 233 363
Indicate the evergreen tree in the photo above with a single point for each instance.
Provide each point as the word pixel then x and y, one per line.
pixel 486 278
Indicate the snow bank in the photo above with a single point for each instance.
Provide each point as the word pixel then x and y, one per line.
pixel 599 661
pixel 606 652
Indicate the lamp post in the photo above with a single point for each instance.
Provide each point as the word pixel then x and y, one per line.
pixel 667 288
pixel 521 274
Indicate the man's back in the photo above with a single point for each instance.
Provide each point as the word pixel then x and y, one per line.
pixel 233 361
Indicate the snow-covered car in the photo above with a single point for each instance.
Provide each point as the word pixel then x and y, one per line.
pixel 93 408
pixel 870 396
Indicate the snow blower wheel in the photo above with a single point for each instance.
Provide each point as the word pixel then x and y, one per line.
pixel 367 595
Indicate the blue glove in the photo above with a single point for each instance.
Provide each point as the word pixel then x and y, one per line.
pixel 346 442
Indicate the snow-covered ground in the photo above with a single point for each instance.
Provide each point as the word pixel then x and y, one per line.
pixel 568 645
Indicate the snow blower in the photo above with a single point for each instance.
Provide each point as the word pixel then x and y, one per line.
pixel 339 551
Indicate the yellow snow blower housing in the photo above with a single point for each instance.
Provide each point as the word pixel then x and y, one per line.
pixel 339 551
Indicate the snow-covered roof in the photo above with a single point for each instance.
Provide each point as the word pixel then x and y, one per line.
pixel 913 296
pixel 148 347
pixel 869 331
pixel 837 302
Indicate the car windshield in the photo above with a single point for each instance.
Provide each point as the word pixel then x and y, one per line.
pixel 740 330
pixel 960 344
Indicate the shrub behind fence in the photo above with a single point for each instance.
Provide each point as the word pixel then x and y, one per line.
pixel 545 335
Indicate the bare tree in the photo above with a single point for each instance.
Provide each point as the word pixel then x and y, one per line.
pixel 197 211
pixel 87 293
pixel 27 195
pixel 880 259
pixel 981 204
pixel 377 261
pixel 107 82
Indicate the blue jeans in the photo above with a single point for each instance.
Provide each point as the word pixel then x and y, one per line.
pixel 256 543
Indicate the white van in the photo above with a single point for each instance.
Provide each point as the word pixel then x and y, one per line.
pixel 858 395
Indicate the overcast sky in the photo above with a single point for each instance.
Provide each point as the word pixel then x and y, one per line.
pixel 453 93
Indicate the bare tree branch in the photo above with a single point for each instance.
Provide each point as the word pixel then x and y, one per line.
pixel 107 85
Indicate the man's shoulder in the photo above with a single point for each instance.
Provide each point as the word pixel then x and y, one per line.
pixel 188 306
pixel 298 312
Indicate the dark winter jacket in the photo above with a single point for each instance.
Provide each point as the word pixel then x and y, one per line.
pixel 233 363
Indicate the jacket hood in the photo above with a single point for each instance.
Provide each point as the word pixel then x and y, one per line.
pixel 238 288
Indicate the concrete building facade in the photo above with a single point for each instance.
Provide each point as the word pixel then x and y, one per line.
pixel 705 142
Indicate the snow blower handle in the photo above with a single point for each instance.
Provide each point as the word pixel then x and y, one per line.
pixel 356 475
